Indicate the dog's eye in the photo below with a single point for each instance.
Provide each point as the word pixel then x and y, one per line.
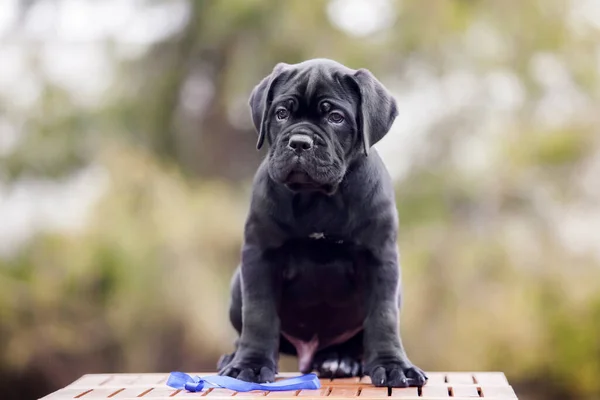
pixel 336 118
pixel 282 114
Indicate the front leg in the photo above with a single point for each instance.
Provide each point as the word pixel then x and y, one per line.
pixel 255 359
pixel 386 360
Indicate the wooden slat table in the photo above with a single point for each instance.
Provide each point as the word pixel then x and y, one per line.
pixel 441 385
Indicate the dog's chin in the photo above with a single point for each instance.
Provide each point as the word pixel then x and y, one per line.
pixel 300 181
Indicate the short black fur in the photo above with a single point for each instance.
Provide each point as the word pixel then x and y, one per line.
pixel 320 275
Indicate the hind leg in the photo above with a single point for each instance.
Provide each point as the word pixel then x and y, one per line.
pixel 341 361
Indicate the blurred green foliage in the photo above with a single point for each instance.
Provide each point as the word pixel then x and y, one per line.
pixel 495 275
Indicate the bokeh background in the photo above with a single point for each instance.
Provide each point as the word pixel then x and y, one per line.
pixel 127 151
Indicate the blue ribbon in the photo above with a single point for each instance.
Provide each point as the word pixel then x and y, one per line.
pixel 180 380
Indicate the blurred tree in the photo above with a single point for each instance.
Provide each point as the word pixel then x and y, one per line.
pixel 498 203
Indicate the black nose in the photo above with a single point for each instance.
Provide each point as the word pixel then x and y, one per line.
pixel 300 143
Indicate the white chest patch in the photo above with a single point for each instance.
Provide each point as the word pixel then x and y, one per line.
pixel 317 235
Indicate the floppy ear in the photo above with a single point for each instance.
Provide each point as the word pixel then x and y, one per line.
pixel 377 109
pixel 260 102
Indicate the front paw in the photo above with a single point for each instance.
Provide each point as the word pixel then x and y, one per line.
pixel 397 374
pixel 250 370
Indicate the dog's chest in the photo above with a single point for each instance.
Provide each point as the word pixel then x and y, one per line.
pixel 317 217
pixel 322 293
pixel 323 284
pixel 319 271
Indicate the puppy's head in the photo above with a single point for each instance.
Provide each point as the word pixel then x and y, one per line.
pixel 318 116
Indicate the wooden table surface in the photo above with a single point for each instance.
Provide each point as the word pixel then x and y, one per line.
pixel 441 385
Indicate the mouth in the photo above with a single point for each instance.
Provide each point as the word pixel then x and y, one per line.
pixel 300 181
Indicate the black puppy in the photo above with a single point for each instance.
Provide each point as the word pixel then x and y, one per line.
pixel 320 275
